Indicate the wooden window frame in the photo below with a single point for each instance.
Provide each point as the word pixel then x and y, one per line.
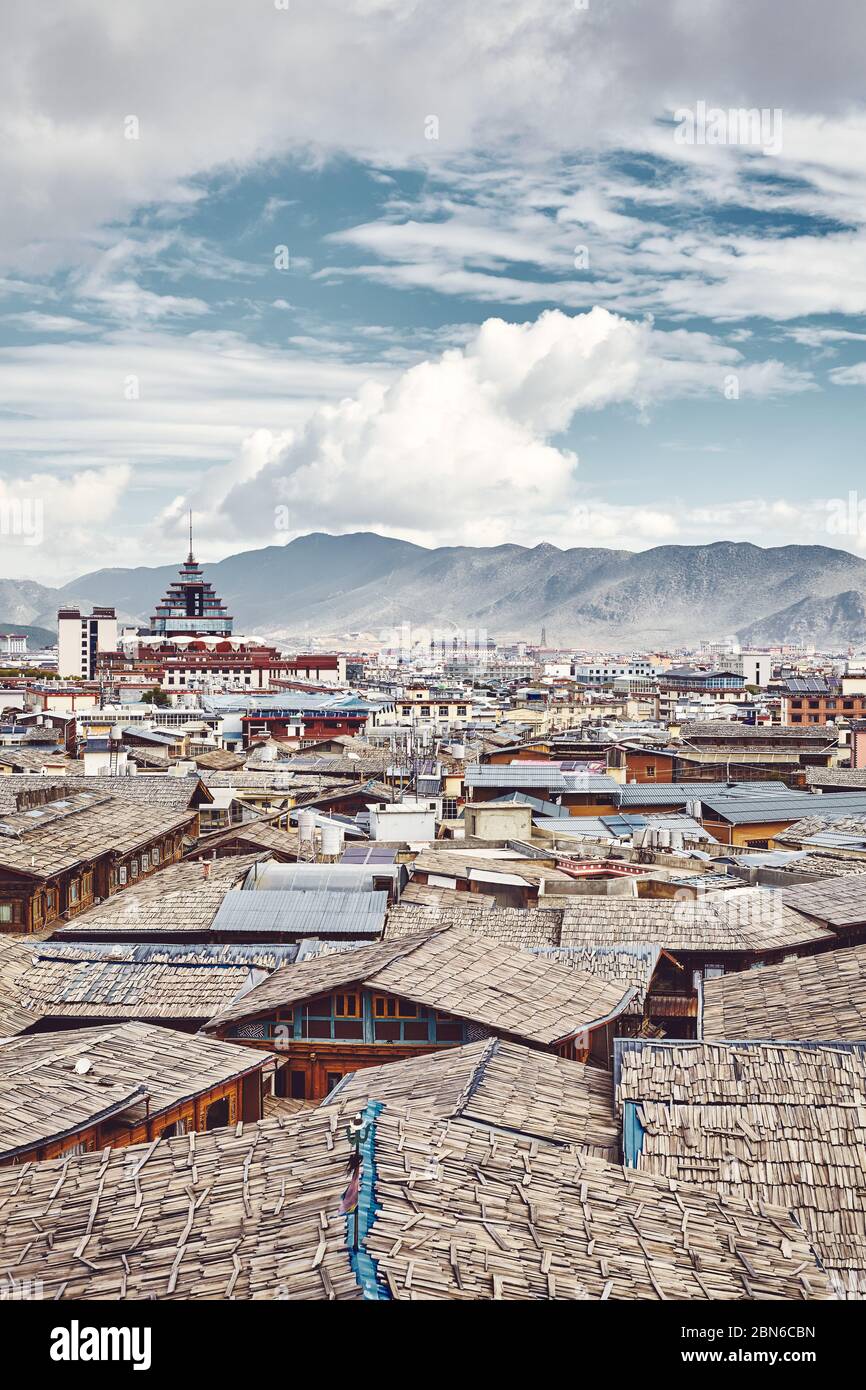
pixel 348 997
pixel 400 1004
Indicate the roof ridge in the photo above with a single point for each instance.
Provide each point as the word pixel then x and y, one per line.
pixel 475 1080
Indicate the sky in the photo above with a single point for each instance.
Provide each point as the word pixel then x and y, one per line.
pixel 449 270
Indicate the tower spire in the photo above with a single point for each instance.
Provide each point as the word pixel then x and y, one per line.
pixel 191 556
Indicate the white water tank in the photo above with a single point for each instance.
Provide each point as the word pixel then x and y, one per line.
pixel 307 827
pixel 332 839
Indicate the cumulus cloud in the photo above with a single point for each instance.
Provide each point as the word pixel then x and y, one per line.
pixel 462 447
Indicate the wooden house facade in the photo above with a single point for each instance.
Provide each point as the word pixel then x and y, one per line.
pixel 59 859
pixel 395 1000
pixel 116 1085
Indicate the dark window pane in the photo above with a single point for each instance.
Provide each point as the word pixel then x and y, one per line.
pixel 415 1032
pixel 386 1031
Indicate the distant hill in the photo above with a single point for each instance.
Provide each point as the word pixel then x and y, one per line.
pixel 589 596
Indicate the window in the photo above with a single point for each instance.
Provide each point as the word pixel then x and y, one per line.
pixel 217 1114
pixel 145 862
pixel 155 854
pixel 298 1085
pixel 133 868
pixel 713 972
pixel 461 710
pixel 6 912
pixel 384 1006
pixel 443 711
pixel 651 770
pixel 347 1006
pixel 73 891
pixel 121 875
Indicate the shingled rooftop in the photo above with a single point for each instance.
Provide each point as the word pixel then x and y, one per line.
pixel 810 1000
pixel 770 1123
pixel 253 1212
pixel 454 972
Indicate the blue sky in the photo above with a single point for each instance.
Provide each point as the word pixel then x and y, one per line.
pixel 514 306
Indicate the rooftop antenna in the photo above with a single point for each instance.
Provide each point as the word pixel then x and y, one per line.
pixel 190 557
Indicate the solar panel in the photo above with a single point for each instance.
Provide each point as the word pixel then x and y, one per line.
pixel 368 854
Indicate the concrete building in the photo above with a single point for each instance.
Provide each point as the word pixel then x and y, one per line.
pixel 403 821
pixel 490 821
pixel 756 668
pixel 81 638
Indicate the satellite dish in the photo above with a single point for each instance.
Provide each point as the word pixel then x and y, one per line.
pixel 83 1066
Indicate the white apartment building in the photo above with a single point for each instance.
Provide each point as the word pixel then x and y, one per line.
pixel 447 711
pixel 603 672
pixel 80 638
pixel 755 667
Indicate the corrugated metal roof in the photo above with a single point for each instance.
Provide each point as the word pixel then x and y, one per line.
pixel 544 808
pixel 578 827
pixel 678 793
pixel 732 806
pixel 315 913
pixel 537 775
pixel 342 877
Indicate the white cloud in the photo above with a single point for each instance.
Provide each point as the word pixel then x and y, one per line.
pixel 52 525
pixel 32 321
pixel 855 375
pixel 459 448
pixel 216 86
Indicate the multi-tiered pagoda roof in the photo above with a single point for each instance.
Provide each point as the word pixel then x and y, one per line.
pixel 191 608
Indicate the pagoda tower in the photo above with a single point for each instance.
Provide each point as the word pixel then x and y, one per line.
pixel 190 607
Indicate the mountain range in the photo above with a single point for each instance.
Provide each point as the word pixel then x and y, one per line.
pixel 363 583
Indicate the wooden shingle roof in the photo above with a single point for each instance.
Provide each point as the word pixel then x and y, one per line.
pixel 500 1085
pixel 249 1212
pixel 812 999
pixel 463 1212
pixel 742 920
pixel 52 1084
pixel 838 903
pixel 456 972
pixel 763 1122
pixel 177 899
pixel 60 834
pixel 122 989
pixel 464 1215
pixel 511 926
pixel 16 954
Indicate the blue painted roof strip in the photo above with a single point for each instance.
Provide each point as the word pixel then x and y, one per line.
pixel 365 1268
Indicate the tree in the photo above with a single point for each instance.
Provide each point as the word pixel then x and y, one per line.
pixel 155 697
